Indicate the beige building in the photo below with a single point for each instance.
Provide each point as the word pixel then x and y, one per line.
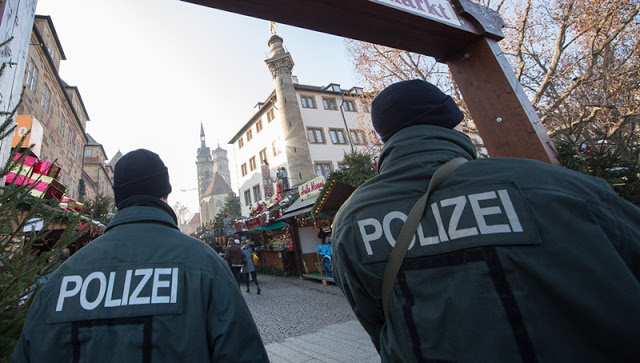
pixel 98 174
pixel 305 129
pixel 56 105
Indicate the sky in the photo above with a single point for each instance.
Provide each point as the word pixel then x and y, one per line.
pixel 150 71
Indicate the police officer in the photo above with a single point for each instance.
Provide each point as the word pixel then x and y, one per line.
pixel 143 291
pixel 513 260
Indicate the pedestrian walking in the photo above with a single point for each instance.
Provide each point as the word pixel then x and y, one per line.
pixel 143 291
pixel 234 257
pixel 249 267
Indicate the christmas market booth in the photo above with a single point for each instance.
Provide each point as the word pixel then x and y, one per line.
pixel 310 235
pixel 271 239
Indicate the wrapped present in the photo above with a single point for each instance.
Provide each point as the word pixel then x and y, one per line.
pixel 47 168
pixel 47 187
pixel 28 160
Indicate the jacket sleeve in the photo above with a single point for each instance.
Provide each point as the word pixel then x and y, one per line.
pixel 232 333
pixel 349 275
pixel 621 222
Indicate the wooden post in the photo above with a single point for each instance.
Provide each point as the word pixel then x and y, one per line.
pixel 506 120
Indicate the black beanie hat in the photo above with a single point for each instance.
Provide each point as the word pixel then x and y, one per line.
pixel 140 172
pixel 409 103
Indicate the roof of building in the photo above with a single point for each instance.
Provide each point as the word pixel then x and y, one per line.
pixel 112 162
pixel 195 219
pixel 217 186
pixel 92 142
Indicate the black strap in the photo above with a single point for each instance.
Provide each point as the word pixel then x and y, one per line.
pixel 403 241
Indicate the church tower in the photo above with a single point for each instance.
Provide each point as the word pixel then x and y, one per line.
pixel 204 165
pixel 221 164
pixel 297 149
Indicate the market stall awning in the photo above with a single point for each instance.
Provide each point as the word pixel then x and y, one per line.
pixel 298 207
pixel 268 227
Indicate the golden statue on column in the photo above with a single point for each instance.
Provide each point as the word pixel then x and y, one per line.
pixel 272 27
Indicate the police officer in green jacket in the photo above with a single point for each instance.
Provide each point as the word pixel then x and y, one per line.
pixel 143 291
pixel 512 261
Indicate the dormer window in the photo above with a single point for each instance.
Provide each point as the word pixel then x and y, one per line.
pixel 334 87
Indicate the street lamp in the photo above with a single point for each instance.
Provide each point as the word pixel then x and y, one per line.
pixel 336 88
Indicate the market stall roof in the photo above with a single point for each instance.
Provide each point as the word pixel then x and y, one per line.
pixel 268 227
pixel 298 207
pixel 336 194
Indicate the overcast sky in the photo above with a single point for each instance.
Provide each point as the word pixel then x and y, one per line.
pixel 149 71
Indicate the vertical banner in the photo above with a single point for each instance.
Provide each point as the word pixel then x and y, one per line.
pixel 266 181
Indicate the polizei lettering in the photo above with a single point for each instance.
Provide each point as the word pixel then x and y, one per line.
pixel 478 214
pixel 142 286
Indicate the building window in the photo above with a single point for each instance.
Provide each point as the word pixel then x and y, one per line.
pixel 308 101
pixel 240 142
pixel 258 126
pixel 263 156
pixel 51 50
pixel 323 169
pixel 340 165
pixel 329 103
pixel 365 106
pixel 337 136
pixel 32 77
pixel 315 135
pixel 247 197
pixel 249 135
pixel 276 148
pixel 252 163
pixel 257 194
pixel 46 96
pixel 61 126
pixel 69 137
pixel 350 106
pixel 357 137
pixel 243 169
pixel 87 152
pixel 271 115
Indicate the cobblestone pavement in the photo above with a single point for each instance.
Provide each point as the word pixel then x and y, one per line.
pixel 304 321
pixel 290 306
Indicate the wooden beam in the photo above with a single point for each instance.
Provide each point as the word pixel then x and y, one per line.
pixel 506 120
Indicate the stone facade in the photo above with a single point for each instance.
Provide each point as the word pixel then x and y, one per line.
pixel 16 22
pixel 56 105
pixel 305 129
pixel 98 175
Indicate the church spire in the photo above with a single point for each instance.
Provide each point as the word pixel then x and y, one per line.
pixel 203 144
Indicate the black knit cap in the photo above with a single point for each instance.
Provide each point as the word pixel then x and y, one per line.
pixel 140 172
pixel 409 103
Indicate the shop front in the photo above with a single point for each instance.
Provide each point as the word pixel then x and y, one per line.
pixel 309 235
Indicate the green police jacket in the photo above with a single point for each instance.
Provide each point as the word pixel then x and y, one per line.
pixel 513 260
pixel 142 292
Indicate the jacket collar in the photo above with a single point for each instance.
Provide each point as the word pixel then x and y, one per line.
pixel 420 144
pixel 139 214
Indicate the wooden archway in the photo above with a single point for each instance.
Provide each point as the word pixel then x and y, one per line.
pixel 460 33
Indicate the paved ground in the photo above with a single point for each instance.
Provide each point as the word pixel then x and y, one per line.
pixel 304 321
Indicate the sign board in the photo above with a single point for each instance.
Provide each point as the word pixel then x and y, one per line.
pixel 311 188
pixel 28 124
pixel 438 10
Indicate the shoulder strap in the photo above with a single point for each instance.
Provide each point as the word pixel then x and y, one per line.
pixel 409 228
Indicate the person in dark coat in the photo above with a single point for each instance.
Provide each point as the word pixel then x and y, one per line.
pixel 513 260
pixel 143 291
pixel 249 267
pixel 234 258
